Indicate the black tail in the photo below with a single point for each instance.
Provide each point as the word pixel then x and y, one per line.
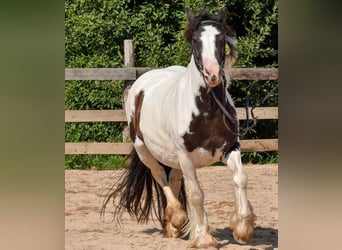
pixel 135 191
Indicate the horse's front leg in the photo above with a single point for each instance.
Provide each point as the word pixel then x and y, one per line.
pixel 199 227
pixel 243 217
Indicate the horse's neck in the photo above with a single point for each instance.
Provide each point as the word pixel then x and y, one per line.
pixel 181 97
pixel 194 77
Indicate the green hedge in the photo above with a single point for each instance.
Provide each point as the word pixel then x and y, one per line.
pixel 94 34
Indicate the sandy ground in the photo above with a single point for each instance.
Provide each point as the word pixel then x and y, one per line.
pixel 85 191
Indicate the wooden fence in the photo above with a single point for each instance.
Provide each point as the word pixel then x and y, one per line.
pixel 130 73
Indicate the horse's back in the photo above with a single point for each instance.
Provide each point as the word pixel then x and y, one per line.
pixel 154 85
pixel 158 76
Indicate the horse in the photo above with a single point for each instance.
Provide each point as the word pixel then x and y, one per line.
pixel 181 119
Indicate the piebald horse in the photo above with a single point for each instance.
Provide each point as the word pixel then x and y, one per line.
pixel 181 119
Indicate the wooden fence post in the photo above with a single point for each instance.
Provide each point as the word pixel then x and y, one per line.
pixel 128 62
pixel 128 53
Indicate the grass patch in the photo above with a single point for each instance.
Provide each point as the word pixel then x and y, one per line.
pixel 260 157
pixel 100 162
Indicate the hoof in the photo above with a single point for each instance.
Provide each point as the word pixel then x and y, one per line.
pixel 176 223
pixel 243 228
pixel 204 241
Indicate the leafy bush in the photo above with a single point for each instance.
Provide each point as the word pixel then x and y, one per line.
pixel 94 34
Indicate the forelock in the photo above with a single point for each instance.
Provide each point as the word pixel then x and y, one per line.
pixel 193 25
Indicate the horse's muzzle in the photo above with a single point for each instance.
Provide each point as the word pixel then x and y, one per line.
pixel 211 73
pixel 212 80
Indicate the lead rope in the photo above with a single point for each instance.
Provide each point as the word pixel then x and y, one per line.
pixel 247 101
pixel 225 114
pixel 248 94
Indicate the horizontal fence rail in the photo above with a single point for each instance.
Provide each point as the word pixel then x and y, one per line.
pixel 132 73
pixel 95 116
pixel 119 115
pixel 124 148
pixel 101 74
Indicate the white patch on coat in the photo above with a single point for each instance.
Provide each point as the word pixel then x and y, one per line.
pixel 202 157
pixel 208 38
pixel 167 108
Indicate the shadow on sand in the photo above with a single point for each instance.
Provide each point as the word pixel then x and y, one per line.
pixel 262 236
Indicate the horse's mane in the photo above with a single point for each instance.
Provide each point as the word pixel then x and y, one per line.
pixel 220 19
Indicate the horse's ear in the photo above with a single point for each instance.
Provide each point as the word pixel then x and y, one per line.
pixel 222 14
pixel 190 15
pixel 190 21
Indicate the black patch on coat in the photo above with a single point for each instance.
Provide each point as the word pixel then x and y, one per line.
pixel 134 125
pixel 207 130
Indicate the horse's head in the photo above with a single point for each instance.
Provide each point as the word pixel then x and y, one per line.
pixel 208 35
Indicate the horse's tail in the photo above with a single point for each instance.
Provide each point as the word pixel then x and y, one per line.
pixel 139 193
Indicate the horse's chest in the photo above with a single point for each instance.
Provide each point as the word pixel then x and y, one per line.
pixel 209 131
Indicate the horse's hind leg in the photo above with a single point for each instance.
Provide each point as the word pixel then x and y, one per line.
pixel 243 217
pixel 175 218
pixel 175 226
